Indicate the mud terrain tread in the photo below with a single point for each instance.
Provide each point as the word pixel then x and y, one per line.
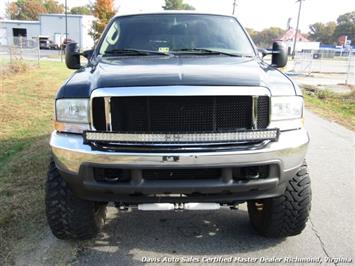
pixel 285 215
pixel 68 216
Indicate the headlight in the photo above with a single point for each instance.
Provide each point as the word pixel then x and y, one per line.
pixel 286 108
pixel 72 115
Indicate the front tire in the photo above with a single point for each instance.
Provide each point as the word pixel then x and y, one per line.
pixel 68 216
pixel 285 215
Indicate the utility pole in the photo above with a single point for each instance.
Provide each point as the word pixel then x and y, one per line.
pixel 297 28
pixel 234 6
pixel 66 19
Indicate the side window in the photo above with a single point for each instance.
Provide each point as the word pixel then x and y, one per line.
pixel 111 38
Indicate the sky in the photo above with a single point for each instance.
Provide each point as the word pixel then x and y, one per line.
pixel 256 14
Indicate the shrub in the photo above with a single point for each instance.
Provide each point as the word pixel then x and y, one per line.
pixel 15 67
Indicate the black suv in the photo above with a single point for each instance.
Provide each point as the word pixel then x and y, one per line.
pixel 177 111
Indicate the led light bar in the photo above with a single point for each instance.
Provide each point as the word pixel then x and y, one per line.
pixel 227 137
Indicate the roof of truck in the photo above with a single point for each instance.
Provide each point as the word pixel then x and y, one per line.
pixel 177 12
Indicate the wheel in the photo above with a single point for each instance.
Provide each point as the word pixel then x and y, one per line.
pixel 68 216
pixel 285 215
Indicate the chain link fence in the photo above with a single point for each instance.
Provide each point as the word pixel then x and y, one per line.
pixel 19 50
pixel 326 61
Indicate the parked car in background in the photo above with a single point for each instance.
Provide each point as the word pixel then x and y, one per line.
pixel 65 42
pixel 46 43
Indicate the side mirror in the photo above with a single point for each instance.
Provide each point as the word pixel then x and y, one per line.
pixel 263 52
pixel 72 56
pixel 88 54
pixel 279 55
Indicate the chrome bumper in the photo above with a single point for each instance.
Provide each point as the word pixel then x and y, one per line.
pixel 70 153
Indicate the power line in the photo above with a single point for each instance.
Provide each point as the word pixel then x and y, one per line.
pixel 297 28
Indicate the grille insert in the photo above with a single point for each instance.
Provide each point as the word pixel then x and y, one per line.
pixel 263 110
pixel 181 114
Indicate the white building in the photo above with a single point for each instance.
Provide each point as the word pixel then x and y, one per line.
pixel 302 41
pixel 302 46
pixel 51 26
pixel 12 30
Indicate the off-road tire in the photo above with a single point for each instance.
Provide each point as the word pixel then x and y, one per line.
pixel 285 215
pixel 68 216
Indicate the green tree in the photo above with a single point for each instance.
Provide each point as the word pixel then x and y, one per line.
pixel 103 11
pixel 253 33
pixel 346 26
pixel 323 33
pixel 25 9
pixel 266 37
pixel 177 5
pixel 31 9
pixel 82 10
pixel 52 6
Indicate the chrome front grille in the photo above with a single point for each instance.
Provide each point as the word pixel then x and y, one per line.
pixel 179 114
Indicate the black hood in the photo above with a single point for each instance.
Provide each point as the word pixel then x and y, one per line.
pixel 178 70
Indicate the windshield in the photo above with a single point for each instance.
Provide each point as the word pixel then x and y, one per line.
pixel 169 33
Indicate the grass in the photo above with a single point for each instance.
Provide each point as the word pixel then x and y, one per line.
pixel 334 106
pixel 26 104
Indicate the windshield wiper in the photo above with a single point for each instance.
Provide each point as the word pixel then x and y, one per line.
pixel 133 52
pixel 203 51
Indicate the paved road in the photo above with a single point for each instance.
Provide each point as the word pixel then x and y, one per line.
pixel 49 53
pixel 333 82
pixel 130 237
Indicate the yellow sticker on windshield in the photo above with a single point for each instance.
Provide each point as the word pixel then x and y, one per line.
pixel 164 49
